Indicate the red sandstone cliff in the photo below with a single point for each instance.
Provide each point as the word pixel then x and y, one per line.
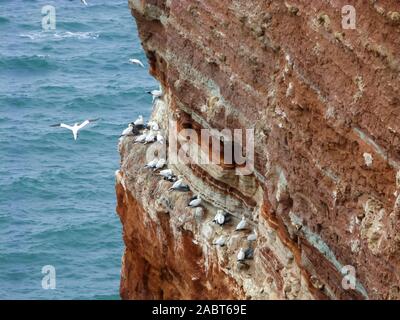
pixel 324 104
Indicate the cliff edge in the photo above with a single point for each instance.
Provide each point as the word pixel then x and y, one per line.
pixel 322 194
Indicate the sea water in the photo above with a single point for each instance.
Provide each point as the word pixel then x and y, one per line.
pixel 57 196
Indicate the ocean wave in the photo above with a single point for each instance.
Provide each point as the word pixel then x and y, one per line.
pixel 5 120
pixel 28 187
pixel 78 35
pixel 73 232
pixel 4 20
pixel 57 194
pixel 58 89
pixel 35 62
pixel 59 35
pixel 72 25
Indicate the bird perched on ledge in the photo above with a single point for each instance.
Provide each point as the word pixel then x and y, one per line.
pixel 221 217
pixel 139 122
pixel 166 173
pixel 241 225
pixel 152 125
pixel 241 255
pixel 156 93
pixel 179 185
pixel 152 164
pixel 194 201
pixel 160 164
pixel 142 137
pixel 160 138
pixel 245 254
pixel 220 241
pixel 132 130
pixel 171 178
pixel 150 137
pixel 252 236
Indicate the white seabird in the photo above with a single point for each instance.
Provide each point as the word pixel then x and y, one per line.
pixel 132 130
pixel 252 236
pixel 241 255
pixel 160 164
pixel 150 138
pixel 139 121
pixel 75 128
pixel 242 224
pixel 194 201
pixel 84 2
pixel 166 173
pixel 152 163
pixel 179 185
pixel 221 218
pixel 171 178
pixel 153 126
pixel 156 93
pixel 137 62
pixel 127 130
pixel 160 138
pixel 142 137
pixel 220 241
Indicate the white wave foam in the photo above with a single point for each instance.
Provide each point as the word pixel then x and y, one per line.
pixel 79 35
pixel 59 35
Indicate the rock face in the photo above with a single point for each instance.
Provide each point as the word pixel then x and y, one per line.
pixel 323 197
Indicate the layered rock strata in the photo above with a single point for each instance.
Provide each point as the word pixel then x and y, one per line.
pixel 323 197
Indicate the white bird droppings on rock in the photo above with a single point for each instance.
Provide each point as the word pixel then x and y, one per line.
pixel 368 159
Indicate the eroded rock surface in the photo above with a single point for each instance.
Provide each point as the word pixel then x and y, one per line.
pixel 324 105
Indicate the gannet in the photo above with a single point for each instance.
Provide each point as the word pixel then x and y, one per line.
pixel 160 138
pixel 156 93
pixel 139 121
pixel 220 218
pixel 179 185
pixel 75 128
pixel 84 2
pixel 252 236
pixel 194 201
pixel 142 137
pixel 152 125
pixel 132 130
pixel 160 164
pixel 152 163
pixel 241 255
pixel 137 62
pixel 171 178
pixel 166 173
pixel 220 241
pixel 242 224
pixel 127 130
pixel 150 138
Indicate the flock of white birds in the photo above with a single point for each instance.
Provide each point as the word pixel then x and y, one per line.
pixel 151 133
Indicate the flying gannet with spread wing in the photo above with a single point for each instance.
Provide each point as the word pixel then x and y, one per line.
pixel 75 128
